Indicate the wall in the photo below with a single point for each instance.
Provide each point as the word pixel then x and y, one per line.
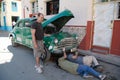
pixel 115 45
pixel 8 14
pixel 80 31
pixel 82 10
pixel 25 13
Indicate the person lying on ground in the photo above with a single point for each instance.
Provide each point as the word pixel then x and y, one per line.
pixel 79 59
pixel 84 70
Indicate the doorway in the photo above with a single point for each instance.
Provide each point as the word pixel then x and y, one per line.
pixel 103 17
pixel 15 18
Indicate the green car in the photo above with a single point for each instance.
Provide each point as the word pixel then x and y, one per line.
pixel 55 39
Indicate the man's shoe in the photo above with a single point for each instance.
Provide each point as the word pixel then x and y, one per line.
pixel 98 68
pixel 41 66
pixel 39 70
pixel 102 77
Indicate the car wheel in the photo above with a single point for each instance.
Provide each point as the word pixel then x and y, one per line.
pixel 46 55
pixel 13 42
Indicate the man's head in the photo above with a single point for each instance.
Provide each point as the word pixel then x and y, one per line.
pixel 40 17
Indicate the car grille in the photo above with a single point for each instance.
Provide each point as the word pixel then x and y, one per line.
pixel 67 42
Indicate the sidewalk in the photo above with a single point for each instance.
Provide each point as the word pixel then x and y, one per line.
pixel 108 58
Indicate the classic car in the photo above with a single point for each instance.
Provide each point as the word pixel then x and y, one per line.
pixel 55 39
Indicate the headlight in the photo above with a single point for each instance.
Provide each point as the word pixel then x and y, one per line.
pixel 56 41
pixel 76 37
pixel 50 47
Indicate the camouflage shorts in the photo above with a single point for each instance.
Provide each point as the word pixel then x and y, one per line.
pixel 40 50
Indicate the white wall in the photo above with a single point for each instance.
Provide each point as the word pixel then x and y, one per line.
pixel 82 10
pixel 42 6
pixel 24 5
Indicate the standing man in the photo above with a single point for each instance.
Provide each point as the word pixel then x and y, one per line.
pixel 37 38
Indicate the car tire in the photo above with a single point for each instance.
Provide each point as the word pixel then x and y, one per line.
pixel 13 42
pixel 46 55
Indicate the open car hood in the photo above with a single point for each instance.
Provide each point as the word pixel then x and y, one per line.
pixel 59 20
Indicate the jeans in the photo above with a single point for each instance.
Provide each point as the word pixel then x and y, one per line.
pixel 84 69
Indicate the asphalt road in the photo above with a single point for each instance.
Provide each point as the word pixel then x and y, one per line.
pixel 17 63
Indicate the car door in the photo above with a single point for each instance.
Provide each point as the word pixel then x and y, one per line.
pixel 18 31
pixel 27 38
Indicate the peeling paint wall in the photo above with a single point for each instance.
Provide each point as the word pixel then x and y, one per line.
pixel 80 31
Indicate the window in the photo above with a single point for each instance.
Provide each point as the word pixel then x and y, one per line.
pixel 96 1
pixel 20 24
pixel 14 6
pixel 107 0
pixel 35 7
pixel 27 24
pixel 52 7
pixel 104 0
pixel 33 4
pixel 3 6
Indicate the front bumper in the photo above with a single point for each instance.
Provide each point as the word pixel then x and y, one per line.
pixel 59 51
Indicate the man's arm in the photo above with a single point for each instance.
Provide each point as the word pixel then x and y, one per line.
pixel 33 38
pixel 75 56
pixel 65 55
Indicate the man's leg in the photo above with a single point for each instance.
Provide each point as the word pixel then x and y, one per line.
pixel 87 60
pixel 94 60
pixel 86 69
pixel 96 65
pixel 37 61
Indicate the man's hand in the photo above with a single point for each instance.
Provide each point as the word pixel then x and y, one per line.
pixel 74 57
pixel 63 49
pixel 35 46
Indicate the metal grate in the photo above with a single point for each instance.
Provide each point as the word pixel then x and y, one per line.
pixel 67 42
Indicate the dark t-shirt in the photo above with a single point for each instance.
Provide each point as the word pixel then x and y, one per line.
pixel 39 34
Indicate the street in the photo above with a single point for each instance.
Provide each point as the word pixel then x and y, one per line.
pixel 17 63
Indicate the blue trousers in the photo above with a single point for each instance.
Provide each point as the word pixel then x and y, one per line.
pixel 84 69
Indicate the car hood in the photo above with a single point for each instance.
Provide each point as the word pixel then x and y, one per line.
pixel 59 20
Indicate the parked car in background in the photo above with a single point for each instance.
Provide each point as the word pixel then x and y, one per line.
pixel 55 39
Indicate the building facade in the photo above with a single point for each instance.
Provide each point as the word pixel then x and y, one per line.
pixel 102 33
pixel 95 21
pixel 10 11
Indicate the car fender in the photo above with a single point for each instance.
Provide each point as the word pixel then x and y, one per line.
pixel 11 35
